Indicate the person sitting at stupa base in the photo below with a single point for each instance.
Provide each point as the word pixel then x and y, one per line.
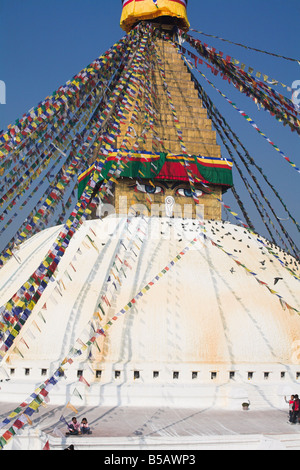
pixel 84 427
pixel 73 428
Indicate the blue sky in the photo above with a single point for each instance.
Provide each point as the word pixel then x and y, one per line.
pixel 45 43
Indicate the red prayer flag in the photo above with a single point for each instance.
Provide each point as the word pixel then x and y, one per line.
pixel 82 379
pixel 46 446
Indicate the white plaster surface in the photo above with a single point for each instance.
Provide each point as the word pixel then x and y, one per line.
pixel 206 315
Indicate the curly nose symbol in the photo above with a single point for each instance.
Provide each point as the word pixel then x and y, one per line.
pixel 169 204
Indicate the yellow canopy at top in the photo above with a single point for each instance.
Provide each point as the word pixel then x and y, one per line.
pixel 140 10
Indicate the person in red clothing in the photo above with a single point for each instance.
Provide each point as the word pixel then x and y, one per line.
pixel 291 403
pixel 296 409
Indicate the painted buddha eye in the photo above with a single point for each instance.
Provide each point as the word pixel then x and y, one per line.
pixel 187 192
pixel 148 188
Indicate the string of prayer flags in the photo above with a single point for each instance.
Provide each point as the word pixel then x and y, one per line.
pixel 71 226
pixel 91 139
pixel 250 69
pixel 222 129
pixel 252 123
pixel 278 105
pixel 246 47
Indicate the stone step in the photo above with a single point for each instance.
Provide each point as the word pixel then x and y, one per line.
pixel 192 135
pixel 163 102
pixel 183 108
pixel 174 68
pixel 184 86
pixel 170 63
pixel 195 148
pixel 171 69
pixel 173 146
pixel 193 121
pixel 168 53
pixel 175 89
pixel 178 90
pixel 187 118
pixel 170 133
pixel 167 137
pixel 188 110
pixel 187 121
pixel 173 82
pixel 166 49
pixel 178 76
pixel 190 140
pixel 171 66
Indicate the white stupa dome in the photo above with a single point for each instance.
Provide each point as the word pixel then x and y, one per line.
pixel 206 326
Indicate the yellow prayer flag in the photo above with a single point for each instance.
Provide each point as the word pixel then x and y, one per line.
pixel 71 407
pixel 272 291
pixel 28 419
pixel 14 333
pixel 34 405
